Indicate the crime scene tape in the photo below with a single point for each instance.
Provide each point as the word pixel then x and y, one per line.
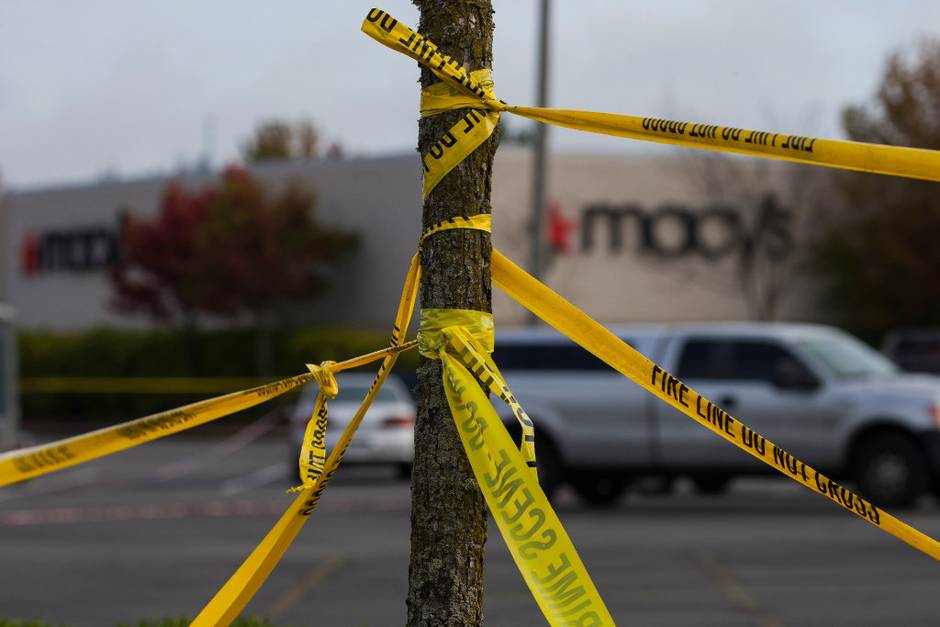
pixel 593 337
pixel 475 356
pixel 232 598
pixel 539 545
pixel 474 91
pixel 22 464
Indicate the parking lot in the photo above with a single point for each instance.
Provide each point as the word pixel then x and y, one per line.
pixel 155 531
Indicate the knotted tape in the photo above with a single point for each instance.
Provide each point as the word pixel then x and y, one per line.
pixel 434 322
pixel 313 451
pixel 323 375
pixel 475 127
pixel 312 458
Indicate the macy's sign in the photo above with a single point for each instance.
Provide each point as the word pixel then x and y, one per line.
pixel 78 249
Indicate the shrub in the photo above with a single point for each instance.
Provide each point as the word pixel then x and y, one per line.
pixel 107 352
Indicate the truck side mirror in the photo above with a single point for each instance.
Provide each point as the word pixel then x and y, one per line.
pixel 790 375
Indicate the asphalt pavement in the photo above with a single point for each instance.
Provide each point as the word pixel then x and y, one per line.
pixel 155 531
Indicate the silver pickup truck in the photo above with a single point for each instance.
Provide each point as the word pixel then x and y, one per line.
pixel 814 390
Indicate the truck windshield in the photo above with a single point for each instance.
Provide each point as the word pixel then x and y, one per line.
pixel 845 357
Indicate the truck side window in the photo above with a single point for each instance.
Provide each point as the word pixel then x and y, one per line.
pixel 733 360
pixel 555 356
pixel 699 359
pixel 757 361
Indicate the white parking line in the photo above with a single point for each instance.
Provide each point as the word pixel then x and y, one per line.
pixel 733 590
pixel 50 485
pixel 295 594
pixel 139 512
pixel 232 444
pixel 255 479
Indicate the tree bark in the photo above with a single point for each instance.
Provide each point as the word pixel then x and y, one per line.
pixel 448 515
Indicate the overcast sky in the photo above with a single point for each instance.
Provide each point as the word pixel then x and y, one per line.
pixel 128 87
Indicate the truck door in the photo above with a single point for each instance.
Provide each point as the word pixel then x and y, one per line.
pixel 759 381
pixel 598 417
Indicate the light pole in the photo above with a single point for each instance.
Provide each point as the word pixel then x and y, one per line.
pixel 538 161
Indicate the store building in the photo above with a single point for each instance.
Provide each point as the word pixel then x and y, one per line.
pixel 632 239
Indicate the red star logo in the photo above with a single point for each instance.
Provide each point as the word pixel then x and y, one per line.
pixel 559 229
pixel 29 254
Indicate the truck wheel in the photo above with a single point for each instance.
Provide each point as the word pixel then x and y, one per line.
pixel 890 470
pixel 710 484
pixel 600 490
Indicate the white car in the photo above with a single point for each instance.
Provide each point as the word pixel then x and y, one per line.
pixel 386 434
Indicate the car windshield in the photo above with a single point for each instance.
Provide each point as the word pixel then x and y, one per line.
pixel 354 393
pixel 844 357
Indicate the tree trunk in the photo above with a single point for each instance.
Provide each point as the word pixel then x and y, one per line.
pixel 448 516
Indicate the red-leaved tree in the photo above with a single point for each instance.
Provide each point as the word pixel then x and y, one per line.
pixel 230 249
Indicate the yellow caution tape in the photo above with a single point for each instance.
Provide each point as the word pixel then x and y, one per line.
pixel 473 128
pixel 232 598
pixel 539 545
pixel 390 32
pixel 478 324
pixel 27 463
pixel 474 92
pixel 477 222
pixel 593 337
pixel 914 163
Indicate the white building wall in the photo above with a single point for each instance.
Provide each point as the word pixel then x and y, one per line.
pixel 380 199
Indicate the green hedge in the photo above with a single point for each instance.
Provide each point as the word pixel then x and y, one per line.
pixel 108 352
pixel 118 352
